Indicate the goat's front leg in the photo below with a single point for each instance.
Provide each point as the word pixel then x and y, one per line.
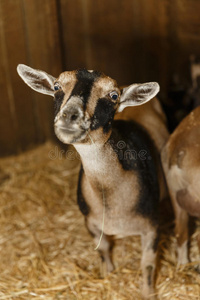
pixel 198 243
pixel 105 245
pixel 181 231
pixel 148 264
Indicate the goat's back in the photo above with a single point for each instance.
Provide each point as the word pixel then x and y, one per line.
pixel 183 146
pixel 181 162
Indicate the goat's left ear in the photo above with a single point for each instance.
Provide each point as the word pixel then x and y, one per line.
pixel 38 80
pixel 138 94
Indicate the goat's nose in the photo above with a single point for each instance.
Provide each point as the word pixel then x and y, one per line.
pixel 72 115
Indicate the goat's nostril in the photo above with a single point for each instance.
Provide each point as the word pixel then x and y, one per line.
pixel 74 117
pixel 70 115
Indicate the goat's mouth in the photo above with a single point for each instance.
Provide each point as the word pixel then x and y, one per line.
pixel 70 135
pixel 66 130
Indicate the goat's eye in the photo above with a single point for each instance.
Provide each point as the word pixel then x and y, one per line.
pixel 113 95
pixel 56 87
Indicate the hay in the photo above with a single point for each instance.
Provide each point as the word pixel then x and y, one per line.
pixel 46 252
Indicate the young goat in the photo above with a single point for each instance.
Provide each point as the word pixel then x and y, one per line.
pixel 121 175
pixel 181 163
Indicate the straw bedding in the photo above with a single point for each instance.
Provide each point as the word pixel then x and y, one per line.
pixel 46 251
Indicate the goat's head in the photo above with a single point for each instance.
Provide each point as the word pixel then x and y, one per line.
pixel 85 101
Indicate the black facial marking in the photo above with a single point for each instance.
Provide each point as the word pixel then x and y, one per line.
pixel 149 276
pixel 103 115
pixel 84 208
pixel 85 81
pixel 58 100
pixel 136 151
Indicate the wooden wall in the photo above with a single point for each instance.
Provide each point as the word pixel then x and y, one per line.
pixel 29 33
pixel 130 40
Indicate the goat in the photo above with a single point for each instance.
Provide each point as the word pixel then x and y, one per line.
pixel 181 164
pixel 121 175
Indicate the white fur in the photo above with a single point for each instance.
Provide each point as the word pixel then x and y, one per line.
pixel 138 94
pixel 33 78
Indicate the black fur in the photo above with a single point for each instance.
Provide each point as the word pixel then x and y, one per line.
pixel 135 138
pixel 84 208
pixel 149 270
pixel 58 100
pixel 103 115
pixel 85 81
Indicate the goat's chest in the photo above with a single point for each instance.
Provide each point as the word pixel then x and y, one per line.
pixel 114 198
pixel 116 193
pixel 117 206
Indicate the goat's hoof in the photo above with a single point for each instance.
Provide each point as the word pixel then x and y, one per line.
pixel 149 294
pixel 105 269
pixel 197 268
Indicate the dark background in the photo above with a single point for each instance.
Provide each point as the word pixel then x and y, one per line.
pixel 129 40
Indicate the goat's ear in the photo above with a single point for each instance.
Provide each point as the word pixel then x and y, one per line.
pixel 138 94
pixel 38 80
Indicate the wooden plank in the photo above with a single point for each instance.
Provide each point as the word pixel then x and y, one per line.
pixel 188 33
pixel 188 18
pixel 13 46
pixel 161 46
pixel 74 35
pixel 43 43
pixel 8 126
pixel 151 31
pixel 30 35
pixel 122 38
pixel 112 41
pixel 98 35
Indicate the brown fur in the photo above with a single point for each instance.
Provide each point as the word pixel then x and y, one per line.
pixel 188 203
pixel 181 163
pixel 107 187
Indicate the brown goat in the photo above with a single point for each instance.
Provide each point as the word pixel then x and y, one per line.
pixel 181 163
pixel 121 176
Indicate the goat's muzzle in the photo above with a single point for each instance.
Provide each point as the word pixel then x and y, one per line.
pixel 71 124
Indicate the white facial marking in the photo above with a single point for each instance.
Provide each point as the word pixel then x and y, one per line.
pixel 67 130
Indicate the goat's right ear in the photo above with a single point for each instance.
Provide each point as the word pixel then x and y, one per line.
pixel 38 80
pixel 138 94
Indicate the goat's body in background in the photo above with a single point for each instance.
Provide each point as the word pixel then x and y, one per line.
pixel 121 176
pixel 181 163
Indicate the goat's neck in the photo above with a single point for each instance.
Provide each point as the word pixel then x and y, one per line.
pixel 97 159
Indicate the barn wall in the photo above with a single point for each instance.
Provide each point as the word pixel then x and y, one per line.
pixel 130 40
pixel 29 34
